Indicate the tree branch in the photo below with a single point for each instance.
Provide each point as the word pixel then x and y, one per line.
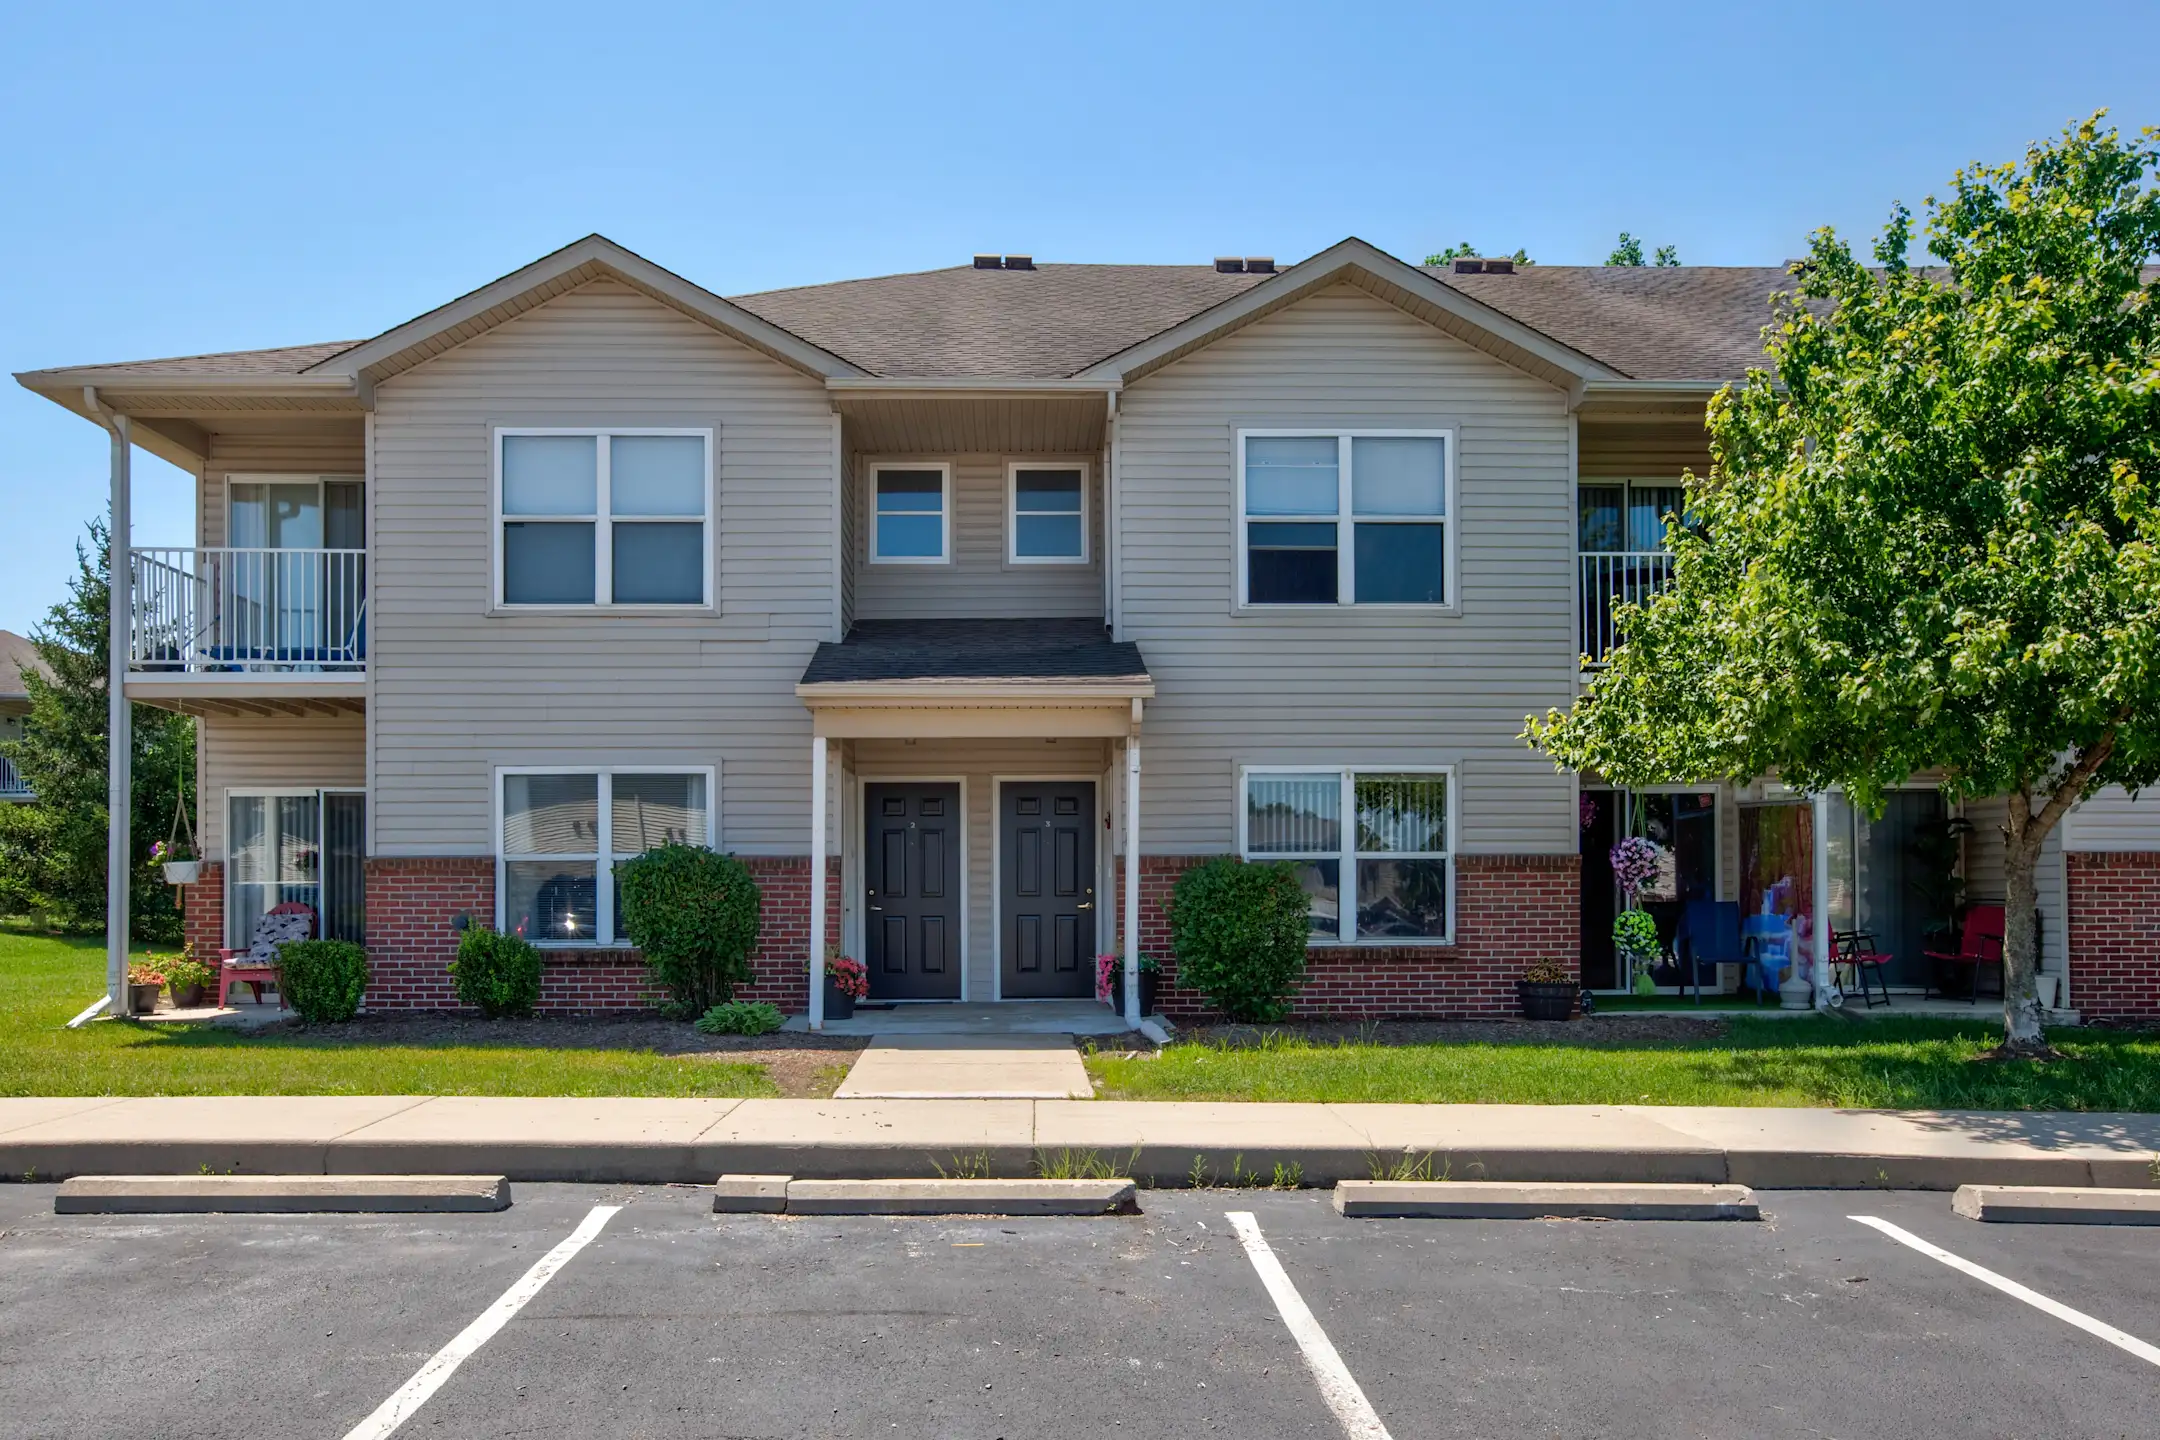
pixel 2072 785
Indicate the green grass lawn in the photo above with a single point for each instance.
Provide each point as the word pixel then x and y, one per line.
pixel 44 981
pixel 1892 1064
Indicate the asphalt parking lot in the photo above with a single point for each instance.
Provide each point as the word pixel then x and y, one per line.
pixel 674 1322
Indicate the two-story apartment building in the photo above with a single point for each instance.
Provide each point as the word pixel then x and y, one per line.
pixel 969 607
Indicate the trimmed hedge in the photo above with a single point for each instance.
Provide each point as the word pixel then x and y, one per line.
pixel 322 980
pixel 1239 931
pixel 497 974
pixel 693 913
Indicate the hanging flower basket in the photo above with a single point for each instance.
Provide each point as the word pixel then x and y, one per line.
pixel 182 872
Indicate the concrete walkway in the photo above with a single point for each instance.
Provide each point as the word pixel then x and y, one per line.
pixel 967 1067
pixel 692 1141
pixel 1011 1017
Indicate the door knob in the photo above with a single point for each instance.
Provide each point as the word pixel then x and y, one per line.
pixel 1083 905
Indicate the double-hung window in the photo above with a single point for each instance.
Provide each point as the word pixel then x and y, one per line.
pixel 1394 855
pixel 604 517
pixel 565 833
pixel 911 514
pixel 1048 520
pixel 1352 517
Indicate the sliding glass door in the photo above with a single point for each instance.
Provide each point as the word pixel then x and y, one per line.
pixel 304 847
pixel 289 600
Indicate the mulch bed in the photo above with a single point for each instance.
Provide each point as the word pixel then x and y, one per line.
pixel 800 1064
pixel 1598 1031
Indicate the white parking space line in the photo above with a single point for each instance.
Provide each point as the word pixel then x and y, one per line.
pixel 399 1408
pixel 2121 1340
pixel 1337 1386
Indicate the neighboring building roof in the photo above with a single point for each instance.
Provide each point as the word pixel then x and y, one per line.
pixel 1045 652
pixel 17 654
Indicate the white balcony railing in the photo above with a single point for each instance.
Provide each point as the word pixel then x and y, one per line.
pixel 249 610
pixel 12 786
pixel 1610 579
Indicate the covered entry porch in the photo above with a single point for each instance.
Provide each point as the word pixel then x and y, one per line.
pixel 976 784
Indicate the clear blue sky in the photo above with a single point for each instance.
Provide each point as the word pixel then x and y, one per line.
pixel 288 173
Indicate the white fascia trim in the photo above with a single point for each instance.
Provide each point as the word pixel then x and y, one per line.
pixel 966 385
pixel 969 692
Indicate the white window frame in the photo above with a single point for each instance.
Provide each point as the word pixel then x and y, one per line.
pixel 603 859
pixel 603 522
pixel 1012 513
pixel 1348 854
pixel 1345 522
pixel 945 512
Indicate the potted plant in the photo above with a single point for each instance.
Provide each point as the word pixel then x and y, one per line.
pixel 187 978
pixel 1548 991
pixel 145 979
pixel 1110 981
pixel 846 981
pixel 179 862
pixel 1635 937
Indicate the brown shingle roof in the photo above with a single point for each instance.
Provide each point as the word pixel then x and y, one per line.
pixel 1692 322
pixel 16 655
pixel 1046 322
pixel 285 360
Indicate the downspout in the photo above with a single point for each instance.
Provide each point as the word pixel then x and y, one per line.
pixel 119 734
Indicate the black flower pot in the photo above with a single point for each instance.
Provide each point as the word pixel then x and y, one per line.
pixel 839 1005
pixel 1547 1002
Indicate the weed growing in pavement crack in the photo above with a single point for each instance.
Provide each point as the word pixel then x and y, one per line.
pixel 1083 1164
pixel 964 1167
pixel 1288 1177
pixel 1407 1166
pixel 1197 1177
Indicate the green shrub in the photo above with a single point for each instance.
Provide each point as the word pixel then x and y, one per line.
pixel 693 912
pixel 322 980
pixel 497 974
pixel 1239 931
pixel 740 1017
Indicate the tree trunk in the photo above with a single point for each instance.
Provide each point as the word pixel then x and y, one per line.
pixel 2022 1035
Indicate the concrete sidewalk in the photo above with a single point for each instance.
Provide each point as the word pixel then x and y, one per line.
pixel 967 1067
pixel 692 1141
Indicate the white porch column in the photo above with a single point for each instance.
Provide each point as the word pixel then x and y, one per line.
pixel 119 779
pixel 1132 875
pixel 817 883
pixel 1821 919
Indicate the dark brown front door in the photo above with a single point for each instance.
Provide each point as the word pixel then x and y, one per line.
pixel 912 887
pixel 1046 888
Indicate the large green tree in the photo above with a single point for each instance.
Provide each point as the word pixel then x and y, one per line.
pixel 1927 545
pixel 52 852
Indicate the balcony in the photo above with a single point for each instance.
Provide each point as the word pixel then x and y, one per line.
pixel 247 624
pixel 12 785
pixel 1611 579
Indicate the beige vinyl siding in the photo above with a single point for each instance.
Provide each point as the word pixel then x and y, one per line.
pixel 273 752
pixel 2113 819
pixel 851 535
pixel 1355 686
pixel 1619 451
pixel 979 581
pixel 328 448
pixel 459 690
pixel 978 763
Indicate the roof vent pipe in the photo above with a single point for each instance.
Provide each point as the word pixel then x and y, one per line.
pixel 1229 265
pixel 1259 264
pixel 1019 262
pixel 988 262
pixel 1468 267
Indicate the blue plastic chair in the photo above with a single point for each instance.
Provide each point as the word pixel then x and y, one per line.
pixel 1708 934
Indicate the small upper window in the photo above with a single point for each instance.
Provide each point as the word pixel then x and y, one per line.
pixel 605 518
pixel 1349 518
pixel 1049 515
pixel 913 520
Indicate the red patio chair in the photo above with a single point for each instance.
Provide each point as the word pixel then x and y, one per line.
pixel 257 965
pixel 1980 942
pixel 1856 949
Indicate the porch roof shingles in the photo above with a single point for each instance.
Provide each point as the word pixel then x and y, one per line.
pixel 1049 653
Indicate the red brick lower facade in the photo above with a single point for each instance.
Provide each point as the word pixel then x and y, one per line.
pixel 1510 910
pixel 2114 906
pixel 411 937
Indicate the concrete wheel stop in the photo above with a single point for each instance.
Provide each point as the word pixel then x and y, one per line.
pixel 1517 1200
pixel 783 1194
pixel 2057 1205
pixel 280 1194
